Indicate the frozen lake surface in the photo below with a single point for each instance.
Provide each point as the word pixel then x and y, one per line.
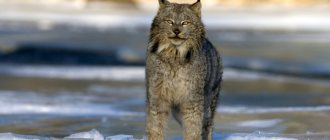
pixel 56 101
pixel 62 74
pixel 96 135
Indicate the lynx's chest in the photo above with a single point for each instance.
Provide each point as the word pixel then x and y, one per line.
pixel 176 83
pixel 172 54
pixel 177 70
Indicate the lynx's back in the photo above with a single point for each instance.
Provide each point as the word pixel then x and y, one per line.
pixel 183 72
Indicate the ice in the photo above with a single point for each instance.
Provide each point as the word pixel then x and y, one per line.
pixel 77 72
pixel 31 102
pixel 266 136
pixel 93 134
pixel 12 136
pixel 96 135
pixel 254 137
pixel 259 123
pixel 121 137
pixel 294 20
pixel 260 110
pixel 132 73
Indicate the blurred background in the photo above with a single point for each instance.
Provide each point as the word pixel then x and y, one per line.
pixel 72 65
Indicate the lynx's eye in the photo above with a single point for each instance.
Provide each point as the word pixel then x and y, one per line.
pixel 169 22
pixel 185 23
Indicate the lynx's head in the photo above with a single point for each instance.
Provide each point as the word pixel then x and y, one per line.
pixel 178 23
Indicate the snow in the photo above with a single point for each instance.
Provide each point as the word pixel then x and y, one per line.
pixel 297 20
pixel 129 73
pixel 96 135
pixel 20 102
pixel 80 72
pixel 11 136
pixel 259 123
pixel 260 110
pixel 93 134
pixel 257 138
pixel 120 137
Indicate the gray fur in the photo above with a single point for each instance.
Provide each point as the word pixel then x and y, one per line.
pixel 183 73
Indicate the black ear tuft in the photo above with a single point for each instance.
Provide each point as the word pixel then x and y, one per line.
pixel 197 6
pixel 163 2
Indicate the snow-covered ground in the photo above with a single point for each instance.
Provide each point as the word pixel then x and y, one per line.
pixel 129 73
pixel 96 135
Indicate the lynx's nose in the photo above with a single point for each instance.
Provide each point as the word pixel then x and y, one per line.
pixel 177 31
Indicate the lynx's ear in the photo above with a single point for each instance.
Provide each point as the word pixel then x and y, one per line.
pixel 163 2
pixel 197 7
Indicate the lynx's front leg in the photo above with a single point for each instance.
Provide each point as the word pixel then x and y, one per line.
pixel 192 119
pixel 157 114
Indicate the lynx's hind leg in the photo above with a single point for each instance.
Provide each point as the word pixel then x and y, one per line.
pixel 212 109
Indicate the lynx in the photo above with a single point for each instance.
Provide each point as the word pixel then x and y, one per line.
pixel 183 73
